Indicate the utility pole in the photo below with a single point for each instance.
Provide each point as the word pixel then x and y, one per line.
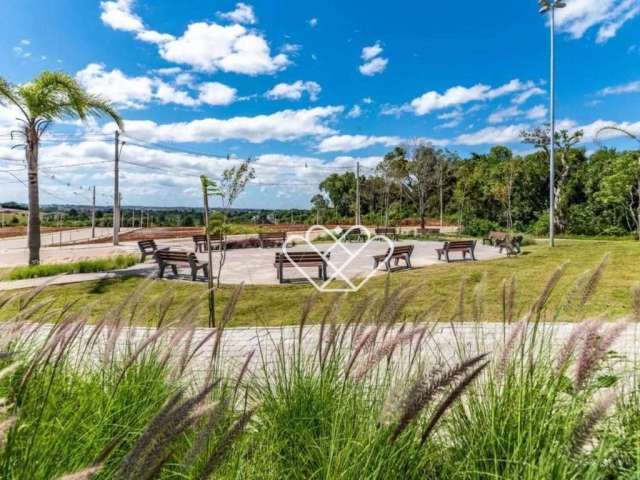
pixel 358 192
pixel 116 190
pixel 93 214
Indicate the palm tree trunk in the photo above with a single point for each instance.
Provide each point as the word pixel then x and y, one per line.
pixel 33 228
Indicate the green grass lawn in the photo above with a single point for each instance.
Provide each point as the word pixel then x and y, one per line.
pixel 438 284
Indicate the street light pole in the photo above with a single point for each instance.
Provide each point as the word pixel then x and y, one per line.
pixel 551 6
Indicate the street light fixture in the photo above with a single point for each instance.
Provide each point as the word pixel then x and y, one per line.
pixel 551 6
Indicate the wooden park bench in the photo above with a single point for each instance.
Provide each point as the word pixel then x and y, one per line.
pixel 398 253
pixel 174 259
pixel 354 235
pixel 272 239
pixel 495 238
pixel 422 232
pixel 463 246
pixel 302 260
pixel 512 245
pixel 148 248
pixel 390 232
pixel 200 242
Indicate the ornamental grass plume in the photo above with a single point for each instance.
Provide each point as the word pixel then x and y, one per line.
pixel 365 340
pixel 426 388
pixel 383 351
pixel 543 298
pixel 449 400
pixel 84 474
pixel 564 355
pixel 584 428
pixel 635 302
pixel 516 333
pixel 594 348
pixel 6 425
pixel 225 442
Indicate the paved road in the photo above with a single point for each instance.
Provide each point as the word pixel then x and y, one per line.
pixel 442 343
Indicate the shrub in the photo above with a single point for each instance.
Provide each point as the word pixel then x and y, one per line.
pixel 479 227
pixel 83 266
pixel 541 225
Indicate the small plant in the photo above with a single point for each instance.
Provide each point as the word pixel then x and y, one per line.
pixel 83 266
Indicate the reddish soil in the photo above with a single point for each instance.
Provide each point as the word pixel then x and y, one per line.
pixel 7 232
pixel 163 233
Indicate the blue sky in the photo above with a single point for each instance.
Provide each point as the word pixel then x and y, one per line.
pixel 307 88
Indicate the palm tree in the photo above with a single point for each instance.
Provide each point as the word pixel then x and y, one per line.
pixel 50 96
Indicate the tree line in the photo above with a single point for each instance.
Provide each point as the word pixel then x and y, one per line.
pixel 596 193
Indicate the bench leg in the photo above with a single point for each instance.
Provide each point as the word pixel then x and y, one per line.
pixel 281 273
pixel 408 260
pixel 194 273
pixel 473 255
pixel 388 265
pixel 161 270
pixel 142 257
pixel 447 255
pixel 174 269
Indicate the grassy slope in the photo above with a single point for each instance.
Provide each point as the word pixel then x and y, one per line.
pixel 273 305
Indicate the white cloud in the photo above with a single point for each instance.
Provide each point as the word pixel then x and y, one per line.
pixel 313 22
pixel 527 94
pixel 355 112
pixel 215 93
pixel 430 101
pixel 25 42
pixel 291 48
pixel 503 114
pixel 285 125
pixel 346 143
pixel 375 66
pixel 151 36
pixel 209 47
pixel 537 112
pixel 371 51
pixel 167 71
pixel 166 93
pixel 631 87
pixel 115 86
pixel 491 136
pixel 118 15
pixel 608 15
pixel 243 13
pixel 294 91
pixel 137 92
pixel 367 100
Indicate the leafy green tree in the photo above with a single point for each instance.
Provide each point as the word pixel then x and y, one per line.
pixel 341 190
pixel 49 97
pixel 564 142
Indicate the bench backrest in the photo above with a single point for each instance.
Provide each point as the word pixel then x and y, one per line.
pixel 176 256
pixel 385 230
pixel 147 245
pixel 498 235
pixel 459 244
pixel 299 257
pixel 272 235
pixel 400 250
pixel 201 238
